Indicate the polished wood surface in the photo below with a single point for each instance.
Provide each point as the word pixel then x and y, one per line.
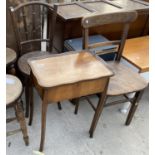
pixel 136 51
pixel 69 22
pixel 67 10
pixel 124 80
pixel 11 56
pixel 13 88
pixel 67 68
pixel 22 62
pixel 67 76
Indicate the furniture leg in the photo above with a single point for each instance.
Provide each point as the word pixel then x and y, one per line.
pixel 133 107
pixel 31 106
pixel 76 106
pixel 98 111
pixel 27 98
pixel 22 122
pixel 43 123
pixel 59 105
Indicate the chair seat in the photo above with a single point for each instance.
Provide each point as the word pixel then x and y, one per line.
pixel 124 80
pixel 11 56
pixel 13 88
pixel 22 62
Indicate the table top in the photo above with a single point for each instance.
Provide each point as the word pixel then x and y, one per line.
pixel 13 88
pixel 75 10
pixel 67 68
pixel 10 56
pixel 136 51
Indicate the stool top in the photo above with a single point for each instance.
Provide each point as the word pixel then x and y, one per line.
pixel 67 68
pixel 10 56
pixel 13 88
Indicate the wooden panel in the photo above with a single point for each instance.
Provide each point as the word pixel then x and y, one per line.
pixel 71 91
pixel 72 10
pixel 102 7
pixel 68 68
pixel 131 4
pixel 136 51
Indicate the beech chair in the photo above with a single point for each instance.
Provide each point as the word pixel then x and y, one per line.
pixel 14 91
pixel 125 80
pixel 30 23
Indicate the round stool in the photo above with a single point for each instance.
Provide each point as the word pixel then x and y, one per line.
pixel 11 57
pixel 13 99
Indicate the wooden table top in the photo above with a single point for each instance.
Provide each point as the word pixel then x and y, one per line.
pixel 67 68
pixel 136 51
pixel 75 10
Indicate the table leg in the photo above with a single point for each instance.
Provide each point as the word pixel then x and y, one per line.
pixel 43 123
pixel 98 111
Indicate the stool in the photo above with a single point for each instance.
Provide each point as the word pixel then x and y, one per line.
pixel 13 99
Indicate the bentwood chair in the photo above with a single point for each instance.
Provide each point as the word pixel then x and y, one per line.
pixel 30 22
pixel 14 91
pixel 124 81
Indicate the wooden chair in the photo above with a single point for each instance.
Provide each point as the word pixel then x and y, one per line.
pixel 124 81
pixel 30 26
pixel 13 99
pixel 67 76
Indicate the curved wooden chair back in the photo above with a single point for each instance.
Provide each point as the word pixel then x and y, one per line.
pixel 95 20
pixel 30 23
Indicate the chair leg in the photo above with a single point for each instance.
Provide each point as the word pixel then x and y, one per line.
pixel 22 122
pixel 76 105
pixel 97 114
pixel 59 105
pixel 31 106
pixel 43 124
pixel 134 106
pixel 27 100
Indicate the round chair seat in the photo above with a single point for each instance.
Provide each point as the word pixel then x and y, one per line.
pixel 13 88
pixel 22 62
pixel 11 56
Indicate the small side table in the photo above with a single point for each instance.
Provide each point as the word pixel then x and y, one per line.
pixel 68 76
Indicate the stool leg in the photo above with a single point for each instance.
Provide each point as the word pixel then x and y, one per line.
pixel 76 105
pixel 31 106
pixel 59 105
pixel 21 119
pixel 133 108
pixel 43 123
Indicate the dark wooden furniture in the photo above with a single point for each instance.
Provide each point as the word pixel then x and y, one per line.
pixel 13 99
pixel 136 52
pixel 68 76
pixel 69 21
pixel 30 23
pixel 124 80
